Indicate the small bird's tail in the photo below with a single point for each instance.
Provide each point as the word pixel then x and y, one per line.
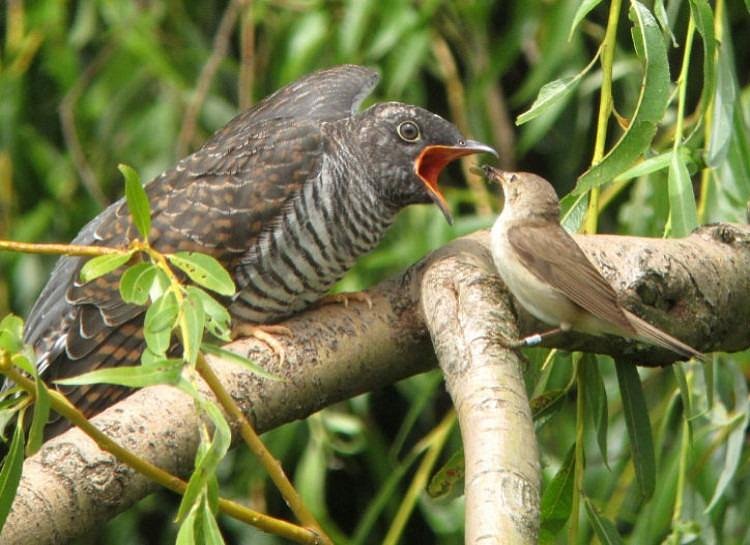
pixel 653 335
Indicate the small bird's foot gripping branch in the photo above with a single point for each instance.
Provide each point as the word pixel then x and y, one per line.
pixel 465 306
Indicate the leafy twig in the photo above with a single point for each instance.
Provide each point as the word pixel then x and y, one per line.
pixel 271 465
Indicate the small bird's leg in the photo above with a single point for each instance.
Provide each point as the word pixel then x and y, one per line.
pixel 264 333
pixel 344 298
pixel 531 340
pixel 537 338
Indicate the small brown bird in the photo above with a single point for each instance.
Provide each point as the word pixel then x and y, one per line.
pixel 286 196
pixel 550 275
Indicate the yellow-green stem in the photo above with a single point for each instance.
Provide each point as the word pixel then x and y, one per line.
pixel 253 441
pixel 605 108
pixel 437 439
pixel 56 249
pixel 579 454
pixel 62 406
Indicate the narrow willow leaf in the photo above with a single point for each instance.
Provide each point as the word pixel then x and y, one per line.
pixel 661 15
pixel 652 164
pixel 553 93
pixel 137 200
pixel 211 533
pixel 217 316
pixel 573 210
pixel 103 264
pixel 604 529
pixel 639 427
pixel 683 214
pixel 583 9
pixel 192 323
pixel 137 376
pixel 703 16
pixel 208 457
pixel 39 418
pixel 724 105
pixel 652 103
pixel 186 533
pixel 228 355
pixel 136 282
pixel 596 401
pixel 448 481
pixel 161 317
pixel 737 437
pixel 204 270
pixel 10 475
pixel 557 499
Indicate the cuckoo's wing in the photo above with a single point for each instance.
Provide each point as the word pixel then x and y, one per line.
pixel 551 254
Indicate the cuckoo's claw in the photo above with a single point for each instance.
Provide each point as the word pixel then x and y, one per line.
pixel 344 298
pixel 266 334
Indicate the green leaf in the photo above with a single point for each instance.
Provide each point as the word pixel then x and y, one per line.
pixel 652 164
pixel 596 400
pixel 40 417
pixel 228 355
pixel 137 376
pixel 103 264
pixel 737 437
pixel 161 317
pixel 703 16
pixel 583 9
pixel 192 322
pixel 573 210
pixel 639 427
pixel 557 499
pixel 553 93
pixel 448 481
pixel 136 282
pixel 10 475
pixel 209 454
pixel 217 317
pixel 137 200
pixel 604 529
pixel 652 103
pixel 186 533
pixel 549 95
pixel 211 532
pixel 11 333
pixel 204 270
pixel 683 215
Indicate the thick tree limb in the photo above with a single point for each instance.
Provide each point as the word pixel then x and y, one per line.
pixel 699 289
pixel 466 307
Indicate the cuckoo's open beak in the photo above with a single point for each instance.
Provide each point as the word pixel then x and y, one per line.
pixel 433 159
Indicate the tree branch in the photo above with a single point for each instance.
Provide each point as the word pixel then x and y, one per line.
pixel 697 289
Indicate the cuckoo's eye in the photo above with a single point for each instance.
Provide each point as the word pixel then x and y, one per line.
pixel 408 131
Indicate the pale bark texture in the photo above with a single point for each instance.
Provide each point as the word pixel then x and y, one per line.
pixel 467 309
pixel 696 288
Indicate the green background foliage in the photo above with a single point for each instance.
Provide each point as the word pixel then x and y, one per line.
pixel 90 84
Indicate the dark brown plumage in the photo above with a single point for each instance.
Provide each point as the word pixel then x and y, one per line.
pixel 287 195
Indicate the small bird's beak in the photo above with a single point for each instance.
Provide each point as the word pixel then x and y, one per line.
pixel 433 159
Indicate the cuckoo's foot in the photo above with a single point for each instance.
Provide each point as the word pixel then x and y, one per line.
pixel 266 334
pixel 345 298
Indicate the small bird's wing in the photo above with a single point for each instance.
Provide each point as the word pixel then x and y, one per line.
pixel 217 201
pixel 551 254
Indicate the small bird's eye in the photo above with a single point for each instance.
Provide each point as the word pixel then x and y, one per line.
pixel 409 131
